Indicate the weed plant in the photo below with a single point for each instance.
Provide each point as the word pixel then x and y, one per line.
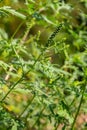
pixel 43 64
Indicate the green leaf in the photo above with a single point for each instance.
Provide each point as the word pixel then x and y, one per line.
pixel 47 20
pixel 8 9
pixel 14 127
pixel 22 91
pixel 4 65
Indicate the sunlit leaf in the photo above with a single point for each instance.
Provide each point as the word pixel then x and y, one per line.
pixel 13 12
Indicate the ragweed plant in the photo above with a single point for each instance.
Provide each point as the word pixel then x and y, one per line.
pixel 42 85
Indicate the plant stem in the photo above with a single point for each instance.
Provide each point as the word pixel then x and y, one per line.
pixel 78 109
pixel 39 116
pixel 56 127
pixel 11 89
pixel 29 103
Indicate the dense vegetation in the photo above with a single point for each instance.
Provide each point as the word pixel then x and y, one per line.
pixel 43 64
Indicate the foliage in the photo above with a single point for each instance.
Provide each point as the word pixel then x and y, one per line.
pixel 43 64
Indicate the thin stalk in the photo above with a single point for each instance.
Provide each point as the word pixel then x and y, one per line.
pixel 29 103
pixel 72 102
pixel 64 127
pixel 78 109
pixel 20 25
pixel 56 127
pixel 11 89
pixel 39 116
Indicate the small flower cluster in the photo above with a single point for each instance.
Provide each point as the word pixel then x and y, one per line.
pixel 50 39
